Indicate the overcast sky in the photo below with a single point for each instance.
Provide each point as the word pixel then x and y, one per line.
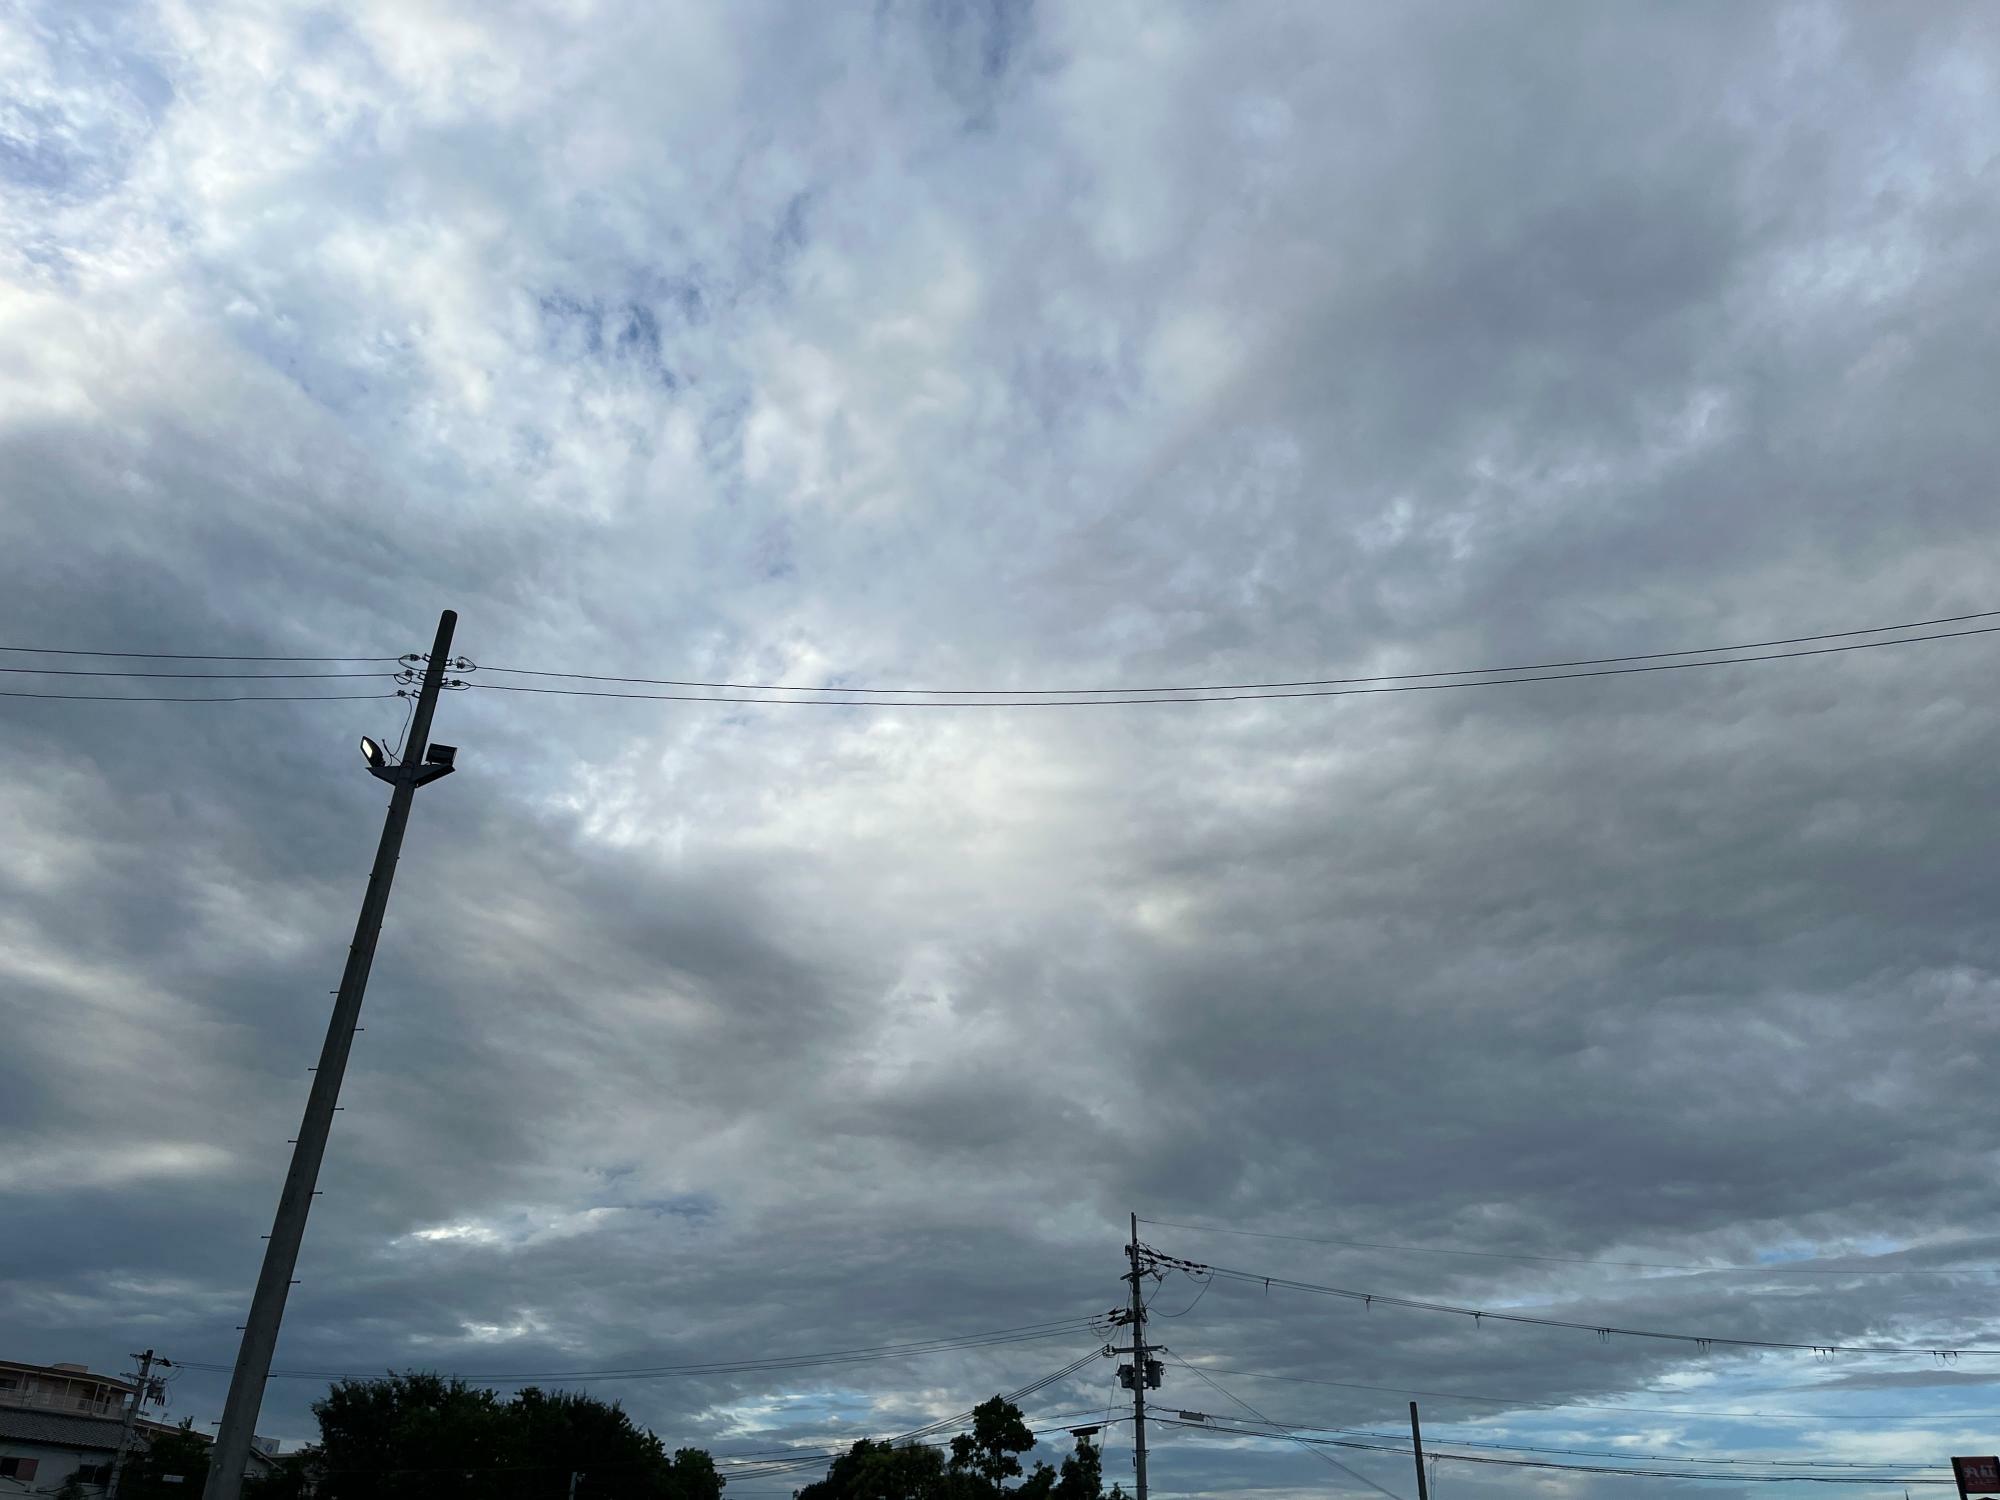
pixel 999 345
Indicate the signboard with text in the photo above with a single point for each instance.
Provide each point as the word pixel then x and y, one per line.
pixel 1977 1476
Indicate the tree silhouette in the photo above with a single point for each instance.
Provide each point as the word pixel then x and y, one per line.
pixel 423 1437
pixel 981 1463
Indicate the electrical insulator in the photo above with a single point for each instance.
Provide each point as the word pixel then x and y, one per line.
pixel 1154 1370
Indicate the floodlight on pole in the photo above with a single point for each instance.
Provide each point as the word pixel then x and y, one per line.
pixel 274 1281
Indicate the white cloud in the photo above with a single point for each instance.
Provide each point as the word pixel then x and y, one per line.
pixel 42 1166
pixel 1004 347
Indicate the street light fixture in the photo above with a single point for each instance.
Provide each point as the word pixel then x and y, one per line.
pixel 379 764
pixel 426 763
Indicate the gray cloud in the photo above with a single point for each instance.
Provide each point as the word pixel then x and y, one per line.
pixel 1015 346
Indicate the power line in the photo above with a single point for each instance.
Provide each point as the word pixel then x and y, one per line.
pixel 734 1460
pixel 1023 1333
pixel 789 1460
pixel 1564 1260
pixel 1326 1457
pixel 1859 1466
pixel 1723 1478
pixel 1206 1283
pixel 189 676
pixel 1612 1409
pixel 1602 1330
pixel 1110 1400
pixel 409 711
pixel 964 692
pixel 1020 697
pixel 196 697
pixel 1216 697
pixel 189 655
pixel 1315 1444
pixel 719 1368
pixel 1746 1460
pixel 807 1461
pixel 1028 1334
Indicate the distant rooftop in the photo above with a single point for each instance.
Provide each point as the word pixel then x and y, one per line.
pixel 66 1405
pixel 69 1388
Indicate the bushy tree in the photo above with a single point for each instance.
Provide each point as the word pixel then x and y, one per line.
pixel 1082 1476
pixel 423 1437
pixel 408 1436
pixel 882 1471
pixel 691 1475
pixel 981 1463
pixel 989 1451
pixel 150 1469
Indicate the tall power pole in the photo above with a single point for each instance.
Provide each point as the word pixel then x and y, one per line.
pixel 421 764
pixel 131 1420
pixel 1142 1366
pixel 1417 1445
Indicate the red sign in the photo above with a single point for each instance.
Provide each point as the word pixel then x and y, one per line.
pixel 1977 1476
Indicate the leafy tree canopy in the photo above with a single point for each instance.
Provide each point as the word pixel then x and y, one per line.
pixel 172 1467
pixel 424 1437
pixel 980 1464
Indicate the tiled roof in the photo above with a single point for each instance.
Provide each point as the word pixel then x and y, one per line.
pixel 24 1425
pixel 146 1429
pixel 91 1434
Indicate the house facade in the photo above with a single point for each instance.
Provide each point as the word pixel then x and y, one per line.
pixel 61 1422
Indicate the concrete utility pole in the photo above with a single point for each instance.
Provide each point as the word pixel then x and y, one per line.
pixel 131 1421
pixel 422 763
pixel 1417 1442
pixel 1141 1365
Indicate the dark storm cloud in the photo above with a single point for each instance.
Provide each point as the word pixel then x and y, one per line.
pixel 1009 345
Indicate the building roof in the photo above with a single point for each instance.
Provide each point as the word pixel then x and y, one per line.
pixel 89 1434
pixel 66 1372
pixel 62 1429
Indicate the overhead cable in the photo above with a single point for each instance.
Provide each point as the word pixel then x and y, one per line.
pixel 187 676
pixel 1023 1333
pixel 195 697
pixel 1611 1409
pixel 1602 1330
pixel 1738 1477
pixel 807 1461
pixel 1202 695
pixel 1733 1460
pixel 1563 1260
pixel 1325 1457
pixel 772 1462
pixel 188 655
pixel 1215 687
